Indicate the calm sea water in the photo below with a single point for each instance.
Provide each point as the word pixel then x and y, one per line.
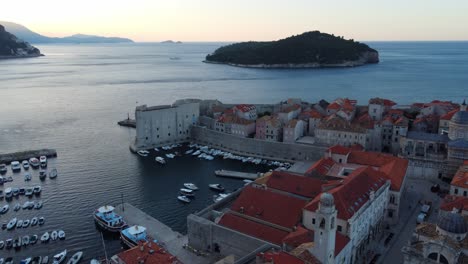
pixel 71 99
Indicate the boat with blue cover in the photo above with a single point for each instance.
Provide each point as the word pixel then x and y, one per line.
pixel 107 219
pixel 133 235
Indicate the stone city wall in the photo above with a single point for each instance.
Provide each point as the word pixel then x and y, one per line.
pixel 256 148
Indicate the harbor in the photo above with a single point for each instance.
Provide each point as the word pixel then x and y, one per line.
pixel 25 155
pixel 171 240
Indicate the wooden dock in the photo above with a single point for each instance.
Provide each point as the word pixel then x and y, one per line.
pixel 127 123
pixel 25 155
pixel 237 174
pixel 171 240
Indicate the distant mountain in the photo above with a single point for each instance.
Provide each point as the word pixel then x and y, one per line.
pixel 307 50
pixel 23 32
pixel 12 47
pixel 171 42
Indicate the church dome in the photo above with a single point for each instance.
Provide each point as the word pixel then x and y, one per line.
pixel 453 223
pixel 327 199
pixel 460 117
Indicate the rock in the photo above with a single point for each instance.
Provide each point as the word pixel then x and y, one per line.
pixel 12 47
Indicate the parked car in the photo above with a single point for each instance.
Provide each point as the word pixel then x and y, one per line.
pixel 421 217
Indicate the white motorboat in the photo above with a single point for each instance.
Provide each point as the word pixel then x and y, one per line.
pixel 8 192
pixel 75 258
pixel 94 261
pixel 17 207
pixel 183 198
pixel 190 186
pixel 220 196
pixel 43 161
pixel 2 244
pixel 187 192
pixel 216 187
pixel 15 166
pixel 4 209
pixel 196 153
pixel 34 221
pixel 15 191
pixel 41 220
pixel 160 160
pixel 156 149
pixel 27 177
pixel 169 155
pixel 11 224
pixel 25 223
pixel 26 261
pixel 25 240
pixel 27 204
pixel 42 174
pixel 45 237
pixel 25 164
pixel 45 260
pixel 29 191
pixel 53 173
pixel 54 235
pixel 60 257
pixel 37 189
pixel 38 205
pixel 19 224
pixel 34 162
pixel 61 234
pixel 190 151
pixel 143 153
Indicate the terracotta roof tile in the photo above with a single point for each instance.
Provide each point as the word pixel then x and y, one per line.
pixel 269 206
pixel 322 166
pixel 353 192
pixel 450 202
pixel 296 184
pixel 298 237
pixel 159 255
pixel 278 258
pixel 339 149
pixel 340 242
pixel 245 108
pixel 461 177
pixel 449 115
pixel 252 228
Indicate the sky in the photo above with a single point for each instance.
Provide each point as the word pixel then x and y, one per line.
pixel 241 20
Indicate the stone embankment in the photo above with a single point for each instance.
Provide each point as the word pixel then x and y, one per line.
pixel 25 155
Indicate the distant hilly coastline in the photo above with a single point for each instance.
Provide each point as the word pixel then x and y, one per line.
pixel 12 47
pixel 26 34
pixel 308 50
pixel 171 42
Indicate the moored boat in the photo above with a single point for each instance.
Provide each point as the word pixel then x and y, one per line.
pixel 27 177
pixel 60 257
pixel 8 192
pixel 3 168
pixel 53 173
pixel 107 219
pixel 25 223
pixel 45 237
pixel 25 241
pixel 133 235
pixel 34 162
pixel 143 153
pixel 45 260
pixel 9 243
pixel 75 258
pixel 2 244
pixel 216 187
pixel 25 164
pixel 61 234
pixel 187 192
pixel 42 174
pixel 17 242
pixel 190 186
pixel 34 221
pixel 41 220
pixel 38 205
pixel 26 261
pixel 29 191
pixel 12 223
pixel 54 235
pixel 160 160
pixel 36 260
pixel 4 209
pixel 183 198
pixel 33 239
pixel 15 166
pixel 169 155
pixel 37 189
pixel 43 161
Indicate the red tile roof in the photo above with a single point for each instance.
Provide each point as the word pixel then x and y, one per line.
pixel 158 256
pixel 312 114
pixel 291 183
pixel 269 206
pixel 450 202
pixel 339 149
pixel 340 242
pixel 279 258
pixel 245 108
pixel 308 257
pixel 322 166
pixel 449 115
pixel 353 192
pixel 461 176
pixel 393 167
pixel 382 101
pixel 298 237
pixel 252 228
pixel 334 106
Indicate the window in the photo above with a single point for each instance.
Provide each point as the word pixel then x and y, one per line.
pixel 169 134
pixel 322 223
pixel 374 110
pixel 313 221
pixel 464 193
pixel 456 191
pixel 340 228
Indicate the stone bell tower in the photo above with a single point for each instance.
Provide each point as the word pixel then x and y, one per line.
pixel 325 230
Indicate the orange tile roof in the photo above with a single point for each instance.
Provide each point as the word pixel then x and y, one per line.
pixel 340 242
pixel 291 183
pixel 312 113
pixel 461 176
pixel 393 167
pixel 382 101
pixel 245 108
pixel 298 237
pixel 334 106
pixel 322 166
pixel 449 115
pixel 151 254
pixel 252 228
pixel 339 149
pixel 269 206
pixel 353 192
pixel 450 202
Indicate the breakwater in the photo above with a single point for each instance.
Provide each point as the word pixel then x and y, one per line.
pixel 25 155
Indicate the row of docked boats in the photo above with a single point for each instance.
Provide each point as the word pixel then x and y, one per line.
pixel 106 218
pixel 26 164
pixel 188 192
pixel 19 223
pixel 27 191
pixel 5 179
pixel 56 259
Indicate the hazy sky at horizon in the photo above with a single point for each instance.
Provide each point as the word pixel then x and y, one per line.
pixel 210 20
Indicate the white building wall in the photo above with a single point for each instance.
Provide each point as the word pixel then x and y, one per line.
pixel 376 111
pixel 458 191
pixel 345 138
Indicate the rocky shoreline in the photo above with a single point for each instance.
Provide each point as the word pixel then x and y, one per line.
pixel 366 58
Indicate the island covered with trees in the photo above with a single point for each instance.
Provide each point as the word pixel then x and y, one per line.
pixel 308 50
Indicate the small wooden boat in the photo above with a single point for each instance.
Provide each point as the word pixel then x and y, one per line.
pixel 4 209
